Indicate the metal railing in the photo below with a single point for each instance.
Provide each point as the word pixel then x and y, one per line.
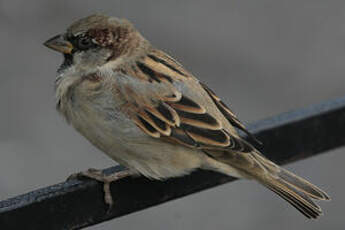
pixel 75 204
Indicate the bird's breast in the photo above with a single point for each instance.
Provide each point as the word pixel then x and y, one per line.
pixel 91 107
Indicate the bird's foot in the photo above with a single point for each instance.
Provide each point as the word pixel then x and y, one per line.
pixel 98 175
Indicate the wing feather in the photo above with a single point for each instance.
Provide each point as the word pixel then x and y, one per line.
pixel 161 105
pixel 168 113
pixel 226 111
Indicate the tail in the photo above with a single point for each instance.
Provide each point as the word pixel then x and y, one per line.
pixel 294 189
pixel 297 191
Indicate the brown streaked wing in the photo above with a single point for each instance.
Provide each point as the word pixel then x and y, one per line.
pixel 146 127
pixel 172 116
pixel 182 126
pixel 230 116
pixel 166 64
pixel 204 120
pixel 187 105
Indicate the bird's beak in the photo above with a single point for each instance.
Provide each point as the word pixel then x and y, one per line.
pixel 58 43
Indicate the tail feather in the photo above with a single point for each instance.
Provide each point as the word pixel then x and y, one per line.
pixel 309 210
pixel 303 185
pixel 292 188
pixel 296 198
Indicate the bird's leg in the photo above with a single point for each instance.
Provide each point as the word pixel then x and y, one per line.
pixel 105 179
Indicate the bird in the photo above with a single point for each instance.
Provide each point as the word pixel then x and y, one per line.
pixel 144 110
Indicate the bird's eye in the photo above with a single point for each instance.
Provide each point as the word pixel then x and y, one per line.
pixel 84 43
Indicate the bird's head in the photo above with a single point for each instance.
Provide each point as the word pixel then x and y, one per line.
pixel 94 41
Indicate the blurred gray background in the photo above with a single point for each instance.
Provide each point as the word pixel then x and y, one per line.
pixel 262 57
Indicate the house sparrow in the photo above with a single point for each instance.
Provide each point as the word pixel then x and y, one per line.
pixel 147 112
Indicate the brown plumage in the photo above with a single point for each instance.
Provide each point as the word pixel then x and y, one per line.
pixel 197 128
pixel 146 111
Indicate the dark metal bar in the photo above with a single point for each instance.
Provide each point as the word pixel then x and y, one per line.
pixel 74 204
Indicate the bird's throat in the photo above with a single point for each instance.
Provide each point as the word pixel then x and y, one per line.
pixel 68 61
